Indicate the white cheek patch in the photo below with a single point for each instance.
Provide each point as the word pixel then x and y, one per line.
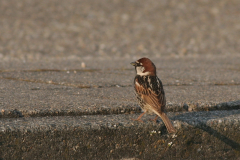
pixel 140 71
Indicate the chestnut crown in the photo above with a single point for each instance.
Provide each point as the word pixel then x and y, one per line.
pixel 144 66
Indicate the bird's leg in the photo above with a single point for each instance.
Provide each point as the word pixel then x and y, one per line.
pixel 139 118
pixel 155 119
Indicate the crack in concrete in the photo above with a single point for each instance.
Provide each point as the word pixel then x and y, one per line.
pixel 63 83
pixel 109 86
pixel 52 70
pixel 47 82
pixel 93 86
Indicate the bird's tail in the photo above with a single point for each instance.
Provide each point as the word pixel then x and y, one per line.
pixel 167 122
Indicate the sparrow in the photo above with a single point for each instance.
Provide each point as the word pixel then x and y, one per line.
pixel 149 91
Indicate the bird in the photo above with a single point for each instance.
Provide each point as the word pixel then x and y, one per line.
pixel 149 92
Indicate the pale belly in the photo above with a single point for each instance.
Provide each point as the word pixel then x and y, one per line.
pixel 148 109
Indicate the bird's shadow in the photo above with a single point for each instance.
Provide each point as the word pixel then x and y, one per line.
pixel 199 120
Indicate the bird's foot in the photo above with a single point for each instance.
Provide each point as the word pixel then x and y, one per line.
pixel 154 120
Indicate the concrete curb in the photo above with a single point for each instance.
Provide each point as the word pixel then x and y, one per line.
pixel 117 136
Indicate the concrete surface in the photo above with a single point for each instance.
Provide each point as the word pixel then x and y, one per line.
pixel 201 135
pixel 66 83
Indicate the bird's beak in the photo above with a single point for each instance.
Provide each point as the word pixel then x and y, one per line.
pixel 133 63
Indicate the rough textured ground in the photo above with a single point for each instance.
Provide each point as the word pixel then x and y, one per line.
pixel 66 83
pixel 202 135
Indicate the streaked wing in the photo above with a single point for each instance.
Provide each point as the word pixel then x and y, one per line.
pixel 149 96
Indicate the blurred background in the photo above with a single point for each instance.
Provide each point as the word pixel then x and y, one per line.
pixel 85 29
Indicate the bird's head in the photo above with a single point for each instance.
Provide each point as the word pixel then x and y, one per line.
pixel 144 67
